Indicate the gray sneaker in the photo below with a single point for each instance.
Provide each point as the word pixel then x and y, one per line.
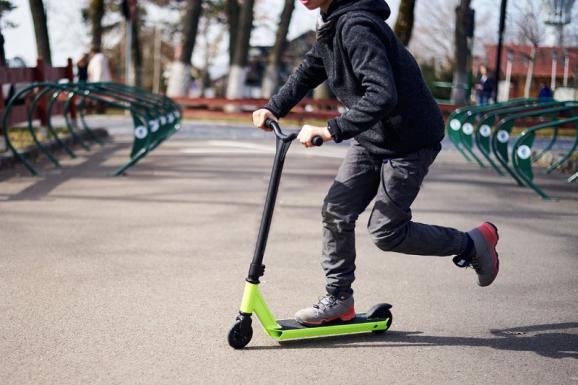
pixel 484 258
pixel 329 308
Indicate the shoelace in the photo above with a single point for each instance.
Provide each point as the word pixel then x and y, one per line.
pixel 467 262
pixel 325 302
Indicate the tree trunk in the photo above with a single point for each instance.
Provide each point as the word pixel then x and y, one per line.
pixel 191 26
pixel 461 52
pixel 238 71
pixel 2 51
pixel 271 79
pixel 96 9
pixel 233 21
pixel 180 78
pixel 136 49
pixel 41 30
pixel 404 24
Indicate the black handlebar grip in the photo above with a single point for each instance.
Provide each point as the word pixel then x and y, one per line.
pixel 317 141
pixel 269 123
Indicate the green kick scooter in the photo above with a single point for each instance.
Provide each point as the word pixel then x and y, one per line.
pixel 377 320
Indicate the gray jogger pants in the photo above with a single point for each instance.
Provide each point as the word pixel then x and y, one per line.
pixel 394 183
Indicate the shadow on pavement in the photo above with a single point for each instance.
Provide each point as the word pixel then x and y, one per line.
pixel 52 179
pixel 545 340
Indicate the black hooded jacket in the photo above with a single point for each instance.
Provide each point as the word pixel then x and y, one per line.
pixel 390 110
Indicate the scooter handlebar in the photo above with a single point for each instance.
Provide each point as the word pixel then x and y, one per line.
pixel 270 123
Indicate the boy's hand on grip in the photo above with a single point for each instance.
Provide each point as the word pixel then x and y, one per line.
pixel 260 116
pixel 308 132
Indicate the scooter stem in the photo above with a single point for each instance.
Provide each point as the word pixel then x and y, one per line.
pixel 257 268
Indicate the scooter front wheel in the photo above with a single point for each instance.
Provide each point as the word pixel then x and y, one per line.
pixel 240 335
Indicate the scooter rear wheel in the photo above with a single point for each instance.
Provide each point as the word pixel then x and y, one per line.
pixel 239 336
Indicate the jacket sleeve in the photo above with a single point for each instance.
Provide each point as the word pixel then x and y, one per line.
pixel 306 77
pixel 365 45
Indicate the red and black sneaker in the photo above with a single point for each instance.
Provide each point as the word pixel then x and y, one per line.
pixel 484 257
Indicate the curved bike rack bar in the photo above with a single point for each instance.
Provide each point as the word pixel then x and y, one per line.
pixel 467 133
pixel 501 135
pixel 32 131
pixel 460 127
pixel 485 128
pixel 522 152
pixel 489 129
pixel 54 134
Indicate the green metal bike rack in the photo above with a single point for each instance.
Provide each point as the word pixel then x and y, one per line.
pixel 140 110
pixel 154 129
pixel 30 112
pixel 485 127
pixel 522 152
pixel 501 135
pixel 155 117
pixel 489 128
pixel 73 123
pixel 51 103
pixel 44 90
pixel 472 117
pixel 144 111
pixel 453 127
pixel 459 117
pixel 7 109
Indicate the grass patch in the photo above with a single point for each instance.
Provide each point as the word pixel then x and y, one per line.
pixel 21 137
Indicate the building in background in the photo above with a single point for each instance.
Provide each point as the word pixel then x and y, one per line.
pixel 554 66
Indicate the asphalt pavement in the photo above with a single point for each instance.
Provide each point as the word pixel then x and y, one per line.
pixel 137 279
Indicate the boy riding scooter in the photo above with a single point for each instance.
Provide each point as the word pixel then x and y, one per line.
pixel 396 128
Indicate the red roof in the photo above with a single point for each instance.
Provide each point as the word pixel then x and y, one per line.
pixel 543 63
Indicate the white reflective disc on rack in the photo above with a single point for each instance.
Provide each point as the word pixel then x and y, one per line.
pixel 524 152
pixel 140 132
pixel 468 129
pixel 455 125
pixel 503 136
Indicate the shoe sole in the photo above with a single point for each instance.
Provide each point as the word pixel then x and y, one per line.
pixel 349 316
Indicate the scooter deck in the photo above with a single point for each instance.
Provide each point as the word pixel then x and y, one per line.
pixel 291 324
pixel 291 329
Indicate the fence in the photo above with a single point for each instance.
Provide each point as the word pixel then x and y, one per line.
pixel 221 108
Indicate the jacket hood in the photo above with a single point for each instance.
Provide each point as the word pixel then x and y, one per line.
pixel 339 7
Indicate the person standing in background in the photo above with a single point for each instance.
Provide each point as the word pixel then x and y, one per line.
pixel 98 68
pixel 484 87
pixel 82 66
pixel 545 93
pixel 98 71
